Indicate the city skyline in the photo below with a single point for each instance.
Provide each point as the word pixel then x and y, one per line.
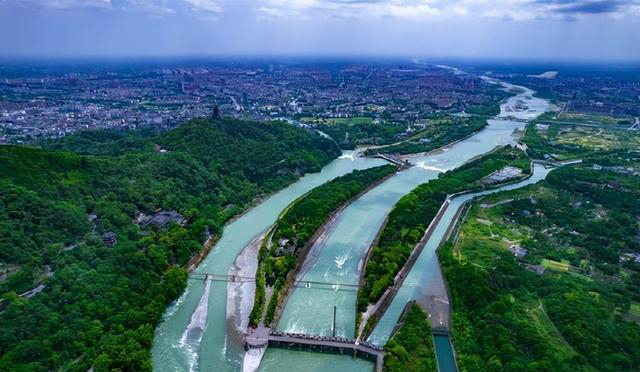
pixel 506 29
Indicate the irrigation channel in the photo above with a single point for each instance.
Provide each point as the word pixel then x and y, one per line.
pixel 425 283
pixel 200 331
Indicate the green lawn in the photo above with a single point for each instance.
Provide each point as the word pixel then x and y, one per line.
pixel 555 265
pixel 593 119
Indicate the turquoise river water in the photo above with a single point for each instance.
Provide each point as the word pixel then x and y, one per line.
pixel 195 332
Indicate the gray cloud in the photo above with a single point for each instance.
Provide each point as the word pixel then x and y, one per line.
pixel 585 6
pixel 454 28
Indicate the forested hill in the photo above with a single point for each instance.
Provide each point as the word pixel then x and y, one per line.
pixel 100 303
pixel 256 149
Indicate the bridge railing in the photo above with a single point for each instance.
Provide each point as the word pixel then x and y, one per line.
pixel 298 284
pixel 329 339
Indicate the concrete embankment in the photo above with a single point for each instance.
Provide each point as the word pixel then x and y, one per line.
pixel 309 253
pixel 241 295
pixel 437 301
pixel 383 303
pixel 206 248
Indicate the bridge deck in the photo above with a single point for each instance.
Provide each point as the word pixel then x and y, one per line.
pixel 297 283
pixel 378 355
pixel 390 159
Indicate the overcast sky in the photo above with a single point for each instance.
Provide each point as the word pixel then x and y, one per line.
pixel 518 29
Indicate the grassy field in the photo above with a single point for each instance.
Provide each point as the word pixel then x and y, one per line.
pixel 565 142
pixel 594 119
pixel 484 234
pixel 555 265
pixel 597 138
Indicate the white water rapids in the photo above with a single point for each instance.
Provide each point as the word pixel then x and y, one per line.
pixel 192 335
pixel 252 359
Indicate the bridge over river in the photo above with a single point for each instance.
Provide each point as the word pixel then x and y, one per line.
pixel 298 283
pixel 262 337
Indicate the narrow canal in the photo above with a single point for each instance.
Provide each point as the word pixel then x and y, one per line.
pixel 425 283
pixel 444 354
pixel 194 334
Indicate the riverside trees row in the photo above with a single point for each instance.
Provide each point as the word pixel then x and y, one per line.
pixel 412 214
pixel 298 224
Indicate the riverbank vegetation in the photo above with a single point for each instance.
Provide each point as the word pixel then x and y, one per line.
pixel 437 133
pixel 412 214
pixel 545 278
pixel 411 348
pixel 104 294
pixel 301 220
pixel 351 132
pixel 307 214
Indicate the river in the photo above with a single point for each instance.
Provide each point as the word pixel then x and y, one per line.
pixel 194 334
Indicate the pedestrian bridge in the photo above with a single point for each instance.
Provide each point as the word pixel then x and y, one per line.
pixel 309 284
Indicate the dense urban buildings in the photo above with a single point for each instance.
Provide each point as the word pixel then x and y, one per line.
pixel 56 101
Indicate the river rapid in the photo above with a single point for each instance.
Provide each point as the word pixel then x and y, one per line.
pixel 197 335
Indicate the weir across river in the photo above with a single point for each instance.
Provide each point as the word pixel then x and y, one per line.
pixel 393 159
pixel 263 337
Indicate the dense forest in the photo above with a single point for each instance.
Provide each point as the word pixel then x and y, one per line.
pixel 412 214
pixel 436 136
pixel 298 223
pixel 411 348
pixel 101 301
pixel 510 314
pixel 104 142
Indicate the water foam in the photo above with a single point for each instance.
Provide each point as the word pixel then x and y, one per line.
pixel 340 260
pixel 348 155
pixel 252 358
pixel 192 335
pixel 424 165
pixel 176 305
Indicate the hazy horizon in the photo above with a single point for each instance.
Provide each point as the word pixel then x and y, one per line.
pixel 522 30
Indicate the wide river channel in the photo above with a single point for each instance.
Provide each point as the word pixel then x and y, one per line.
pixel 195 333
